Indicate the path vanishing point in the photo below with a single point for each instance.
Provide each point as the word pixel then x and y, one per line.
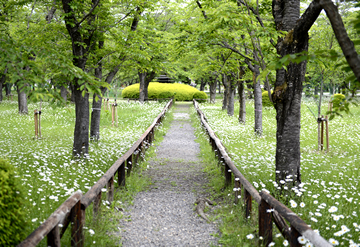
pixel 164 215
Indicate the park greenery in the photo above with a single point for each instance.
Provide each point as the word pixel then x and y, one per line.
pixel 56 52
pixel 328 198
pixel 48 173
pixel 180 92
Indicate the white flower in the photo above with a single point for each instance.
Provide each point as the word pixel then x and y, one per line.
pixel 333 209
pixel 302 240
pixel 302 204
pixel 293 204
pixel 314 219
pixel 33 220
pixel 250 236
pixel 285 243
pixel 271 244
pixel 333 241
pixel 91 231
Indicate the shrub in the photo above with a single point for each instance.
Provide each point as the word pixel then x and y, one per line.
pixel 338 100
pixel 182 92
pixel 12 213
pixel 200 96
pixel 166 95
pixel 265 99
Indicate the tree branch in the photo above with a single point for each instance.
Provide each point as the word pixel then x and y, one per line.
pixel 90 12
pixel 347 46
pixel 203 11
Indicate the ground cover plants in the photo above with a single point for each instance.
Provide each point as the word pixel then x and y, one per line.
pixel 48 172
pixel 328 199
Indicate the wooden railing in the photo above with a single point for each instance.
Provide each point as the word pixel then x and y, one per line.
pixel 73 209
pixel 269 208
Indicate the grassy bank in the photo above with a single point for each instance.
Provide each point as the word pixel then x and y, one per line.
pixel 329 198
pixel 46 167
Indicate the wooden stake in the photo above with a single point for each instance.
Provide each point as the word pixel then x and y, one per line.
pixel 112 114
pixel 36 123
pixel 322 132
pixel 327 133
pixel 40 120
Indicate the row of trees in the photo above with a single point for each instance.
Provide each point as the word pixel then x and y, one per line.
pixel 86 45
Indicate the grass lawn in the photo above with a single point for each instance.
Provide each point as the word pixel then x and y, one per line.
pixel 47 170
pixel 329 197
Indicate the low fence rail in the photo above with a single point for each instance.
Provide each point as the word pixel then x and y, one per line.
pixel 73 209
pixel 270 210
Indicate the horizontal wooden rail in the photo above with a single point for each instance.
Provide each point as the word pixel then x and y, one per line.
pixel 266 202
pixel 52 222
pixel 73 209
pixel 295 221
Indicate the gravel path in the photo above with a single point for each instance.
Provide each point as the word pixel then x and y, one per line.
pixel 164 215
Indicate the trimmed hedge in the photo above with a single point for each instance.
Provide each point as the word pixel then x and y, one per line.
pixel 265 99
pixel 182 92
pixel 12 213
pixel 200 96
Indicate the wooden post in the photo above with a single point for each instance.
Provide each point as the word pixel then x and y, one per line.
pixel 237 188
pixel 327 133
pixel 294 235
pixel 77 237
pixel 53 237
pixel 36 123
pixel 248 202
pixel 322 132
pixel 104 104
pixel 39 123
pixel 129 162
pixel 121 175
pixel 115 113
pixel 107 104
pixel 265 222
pixel 112 114
pixel 96 205
pixel 227 175
pixel 110 192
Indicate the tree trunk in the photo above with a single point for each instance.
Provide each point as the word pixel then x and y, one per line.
pixel 63 93
pixel 8 89
pixel 226 91
pixel 288 88
pixel 257 102
pixel 219 84
pixel 2 82
pixel 213 84
pixel 231 98
pixel 22 99
pixel 242 102
pixel 202 84
pixel 142 76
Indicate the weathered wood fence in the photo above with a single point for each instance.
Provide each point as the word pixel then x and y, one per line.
pixel 269 208
pixel 73 209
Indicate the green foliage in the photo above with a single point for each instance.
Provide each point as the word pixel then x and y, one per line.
pixel 166 95
pixel 182 92
pixel 265 99
pixel 12 215
pixel 338 100
pixel 200 96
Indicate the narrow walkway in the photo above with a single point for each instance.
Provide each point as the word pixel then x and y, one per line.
pixel 164 215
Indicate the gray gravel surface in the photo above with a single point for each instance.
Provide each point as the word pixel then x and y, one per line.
pixel 164 215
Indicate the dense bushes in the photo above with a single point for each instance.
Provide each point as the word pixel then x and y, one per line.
pixel 181 92
pixel 265 99
pixel 200 96
pixel 12 213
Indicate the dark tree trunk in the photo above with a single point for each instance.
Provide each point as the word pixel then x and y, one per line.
pixel 213 84
pixel 2 82
pixel 231 98
pixel 202 84
pixel 22 98
pixel 63 93
pixel 226 91
pixel 288 88
pixel 219 84
pixel 257 102
pixel 8 89
pixel 242 102
pixel 142 76
pixel 82 41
